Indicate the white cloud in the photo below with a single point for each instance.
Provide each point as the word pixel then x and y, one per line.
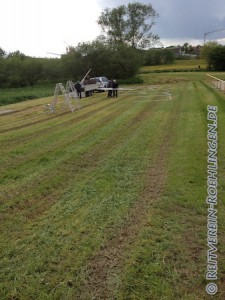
pixel 36 27
pixel 181 20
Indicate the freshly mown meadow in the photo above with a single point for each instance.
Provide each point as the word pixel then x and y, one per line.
pixel 109 202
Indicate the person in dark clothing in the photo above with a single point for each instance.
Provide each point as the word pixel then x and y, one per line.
pixel 110 85
pixel 115 86
pixel 78 89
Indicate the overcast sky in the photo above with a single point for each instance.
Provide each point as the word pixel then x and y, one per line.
pixel 36 27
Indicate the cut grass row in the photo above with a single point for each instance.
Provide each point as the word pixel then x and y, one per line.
pixel 72 183
pixel 85 182
pixel 169 259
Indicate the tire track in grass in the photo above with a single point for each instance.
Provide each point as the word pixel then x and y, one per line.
pixel 103 267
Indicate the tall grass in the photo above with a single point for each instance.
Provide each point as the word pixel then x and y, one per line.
pixel 14 95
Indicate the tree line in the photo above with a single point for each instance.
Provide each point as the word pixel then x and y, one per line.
pixel 125 45
pixel 120 61
pixel 126 31
pixel 214 54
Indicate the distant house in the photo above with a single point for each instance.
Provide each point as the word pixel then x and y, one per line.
pixel 176 50
pixel 191 51
pixel 197 50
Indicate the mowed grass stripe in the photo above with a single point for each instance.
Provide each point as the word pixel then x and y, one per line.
pixel 77 154
pixel 41 159
pixel 169 256
pixel 48 139
pixel 42 117
pixel 96 202
pixel 103 271
pixel 24 113
pixel 47 248
pixel 148 271
pixel 54 120
pixel 19 173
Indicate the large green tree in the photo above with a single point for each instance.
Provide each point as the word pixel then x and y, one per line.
pixel 111 60
pixel 217 58
pixel 131 24
pixel 214 54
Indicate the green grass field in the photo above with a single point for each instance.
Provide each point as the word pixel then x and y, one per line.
pixel 14 95
pixel 109 202
pixel 178 65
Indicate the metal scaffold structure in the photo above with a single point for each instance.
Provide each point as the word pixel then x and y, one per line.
pixel 69 93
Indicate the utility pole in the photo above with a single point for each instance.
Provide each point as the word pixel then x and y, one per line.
pixel 207 33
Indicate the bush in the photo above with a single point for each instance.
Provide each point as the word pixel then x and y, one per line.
pixel 133 80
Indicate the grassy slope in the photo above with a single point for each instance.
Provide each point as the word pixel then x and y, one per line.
pixel 187 64
pixel 118 179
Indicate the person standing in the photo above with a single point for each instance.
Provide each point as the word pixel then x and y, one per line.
pixel 110 85
pixel 115 86
pixel 78 89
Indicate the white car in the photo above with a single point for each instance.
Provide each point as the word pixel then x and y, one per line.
pixel 101 81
